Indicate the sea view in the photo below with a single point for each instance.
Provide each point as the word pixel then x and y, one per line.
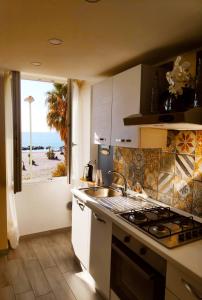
pixel 44 139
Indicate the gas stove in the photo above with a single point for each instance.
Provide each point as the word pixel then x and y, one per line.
pixel 164 225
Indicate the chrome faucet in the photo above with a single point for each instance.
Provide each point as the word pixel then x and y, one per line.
pixel 125 188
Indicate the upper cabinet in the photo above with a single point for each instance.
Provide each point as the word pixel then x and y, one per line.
pixel 101 112
pixel 126 100
pixel 116 98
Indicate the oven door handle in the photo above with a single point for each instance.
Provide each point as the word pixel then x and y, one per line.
pixel 144 273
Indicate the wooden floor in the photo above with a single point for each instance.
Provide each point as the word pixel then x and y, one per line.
pixel 44 268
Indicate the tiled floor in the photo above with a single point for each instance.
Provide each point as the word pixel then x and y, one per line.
pixel 44 268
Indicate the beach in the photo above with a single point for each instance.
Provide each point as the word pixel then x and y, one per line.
pixel 44 166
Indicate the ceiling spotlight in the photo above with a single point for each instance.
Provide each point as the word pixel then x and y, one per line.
pixel 92 1
pixel 55 41
pixel 36 63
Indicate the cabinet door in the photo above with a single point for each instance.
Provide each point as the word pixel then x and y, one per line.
pixel 183 286
pixel 126 101
pixel 101 112
pixel 170 296
pixel 100 252
pixel 81 224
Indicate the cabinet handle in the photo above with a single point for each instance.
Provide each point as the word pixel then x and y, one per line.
pixel 190 289
pixel 98 218
pixel 120 140
pixel 102 139
pixel 128 140
pixel 81 205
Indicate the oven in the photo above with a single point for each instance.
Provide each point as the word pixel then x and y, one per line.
pixel 137 273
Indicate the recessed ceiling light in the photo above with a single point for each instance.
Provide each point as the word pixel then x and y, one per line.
pixel 92 1
pixel 36 63
pixel 55 41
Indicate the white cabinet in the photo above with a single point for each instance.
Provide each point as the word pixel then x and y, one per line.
pixel 182 286
pixel 126 101
pixel 101 112
pixel 116 98
pixel 81 227
pixel 100 252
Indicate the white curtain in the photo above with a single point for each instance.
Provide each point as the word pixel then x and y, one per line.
pixel 12 223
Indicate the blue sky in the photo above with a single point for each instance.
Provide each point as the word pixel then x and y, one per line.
pixel 37 90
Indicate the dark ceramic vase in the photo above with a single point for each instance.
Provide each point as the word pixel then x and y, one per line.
pixel 186 100
pixel 169 103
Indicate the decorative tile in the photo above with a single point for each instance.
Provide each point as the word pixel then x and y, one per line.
pixel 197 199
pixel 166 199
pixel 167 162
pixel 198 168
pixel 171 141
pixel 198 150
pixel 126 154
pixel 117 154
pixel 138 158
pixel 152 158
pixel 155 170
pixel 183 187
pixel 184 165
pixel 183 204
pixel 151 193
pixel 165 183
pixel 136 175
pixel 186 142
pixel 183 194
pixel 150 178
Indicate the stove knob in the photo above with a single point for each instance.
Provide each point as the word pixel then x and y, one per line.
pixel 181 237
pixel 195 233
pixel 127 239
pixel 188 235
pixel 143 250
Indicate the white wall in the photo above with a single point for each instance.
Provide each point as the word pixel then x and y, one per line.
pixel 42 206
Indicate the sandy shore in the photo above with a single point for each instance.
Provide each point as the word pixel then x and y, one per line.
pixel 44 166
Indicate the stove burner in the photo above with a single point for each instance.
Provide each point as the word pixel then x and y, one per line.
pixel 158 213
pixel 159 230
pixel 136 217
pixel 185 223
pixel 164 213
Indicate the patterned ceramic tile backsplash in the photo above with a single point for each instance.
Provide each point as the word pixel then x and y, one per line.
pixel 172 175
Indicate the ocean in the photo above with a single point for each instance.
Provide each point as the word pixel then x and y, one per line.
pixel 43 139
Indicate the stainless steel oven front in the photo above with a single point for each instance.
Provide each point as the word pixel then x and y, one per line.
pixel 137 273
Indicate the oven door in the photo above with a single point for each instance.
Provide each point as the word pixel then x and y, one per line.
pixel 132 278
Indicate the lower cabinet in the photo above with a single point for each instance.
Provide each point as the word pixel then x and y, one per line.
pixel 100 252
pixel 181 285
pixel 91 241
pixel 81 228
pixel 170 296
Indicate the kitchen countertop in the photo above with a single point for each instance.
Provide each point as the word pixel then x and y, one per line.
pixel 187 258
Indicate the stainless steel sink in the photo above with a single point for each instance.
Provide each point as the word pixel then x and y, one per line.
pixel 102 192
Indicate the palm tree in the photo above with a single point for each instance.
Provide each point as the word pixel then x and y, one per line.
pixel 57 112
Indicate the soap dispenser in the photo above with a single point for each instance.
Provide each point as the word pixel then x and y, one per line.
pixel 90 171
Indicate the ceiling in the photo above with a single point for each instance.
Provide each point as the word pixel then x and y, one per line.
pixel 100 39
